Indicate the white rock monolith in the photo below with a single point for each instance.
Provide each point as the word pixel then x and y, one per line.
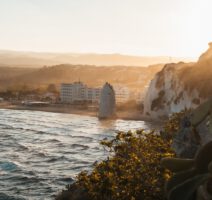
pixel 107 106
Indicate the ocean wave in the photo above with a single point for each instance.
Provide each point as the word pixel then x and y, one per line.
pixel 56 159
pixel 4 196
pixel 66 179
pixel 41 152
pixel 53 141
pixel 79 146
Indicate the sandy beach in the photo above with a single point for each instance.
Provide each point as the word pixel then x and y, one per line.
pixel 70 109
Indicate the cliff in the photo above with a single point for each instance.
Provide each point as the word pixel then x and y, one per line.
pixel 180 86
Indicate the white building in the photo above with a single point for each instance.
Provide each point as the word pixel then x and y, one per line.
pixel 93 94
pixel 122 93
pixel 77 91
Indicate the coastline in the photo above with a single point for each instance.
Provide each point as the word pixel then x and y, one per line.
pixel 68 109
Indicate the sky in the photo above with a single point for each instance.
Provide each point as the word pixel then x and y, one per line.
pixel 179 28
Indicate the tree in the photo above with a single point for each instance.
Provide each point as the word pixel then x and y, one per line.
pixel 52 88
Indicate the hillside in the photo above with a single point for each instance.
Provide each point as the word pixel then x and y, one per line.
pixel 8 74
pixel 199 75
pixel 133 77
pixel 180 86
pixel 33 59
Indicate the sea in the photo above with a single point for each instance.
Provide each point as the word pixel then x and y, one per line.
pixel 42 152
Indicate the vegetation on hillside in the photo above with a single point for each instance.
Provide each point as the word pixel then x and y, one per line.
pixel 133 77
pixel 199 75
pixel 172 125
pixel 21 91
pixel 132 172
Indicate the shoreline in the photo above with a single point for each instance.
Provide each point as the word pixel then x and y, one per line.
pixel 68 109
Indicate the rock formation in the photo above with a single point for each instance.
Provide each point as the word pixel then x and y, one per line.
pixel 107 102
pixel 192 178
pixel 180 86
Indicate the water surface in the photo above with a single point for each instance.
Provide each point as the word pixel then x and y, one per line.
pixel 41 152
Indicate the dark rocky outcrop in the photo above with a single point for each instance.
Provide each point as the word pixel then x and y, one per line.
pixel 73 192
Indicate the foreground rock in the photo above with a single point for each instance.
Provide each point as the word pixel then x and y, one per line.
pixel 192 178
pixel 74 192
pixel 195 131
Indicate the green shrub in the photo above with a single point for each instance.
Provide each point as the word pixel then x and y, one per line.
pixel 172 125
pixel 132 172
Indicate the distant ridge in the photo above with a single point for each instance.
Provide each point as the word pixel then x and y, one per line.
pixel 136 78
pixel 37 59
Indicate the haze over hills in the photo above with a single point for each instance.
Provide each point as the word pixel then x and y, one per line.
pixel 38 59
pixel 133 77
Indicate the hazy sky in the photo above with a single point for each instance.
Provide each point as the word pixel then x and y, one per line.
pixel 140 27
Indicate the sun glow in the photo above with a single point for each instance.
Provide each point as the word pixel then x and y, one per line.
pixel 139 27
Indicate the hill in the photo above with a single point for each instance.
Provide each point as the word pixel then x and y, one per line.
pixel 135 78
pixel 35 59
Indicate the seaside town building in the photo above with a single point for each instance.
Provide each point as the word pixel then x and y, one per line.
pixel 93 94
pixel 79 92
pixel 122 93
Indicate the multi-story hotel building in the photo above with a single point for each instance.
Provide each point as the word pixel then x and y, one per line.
pixel 78 92
pixel 122 93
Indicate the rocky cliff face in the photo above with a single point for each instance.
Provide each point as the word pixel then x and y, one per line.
pixel 180 86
